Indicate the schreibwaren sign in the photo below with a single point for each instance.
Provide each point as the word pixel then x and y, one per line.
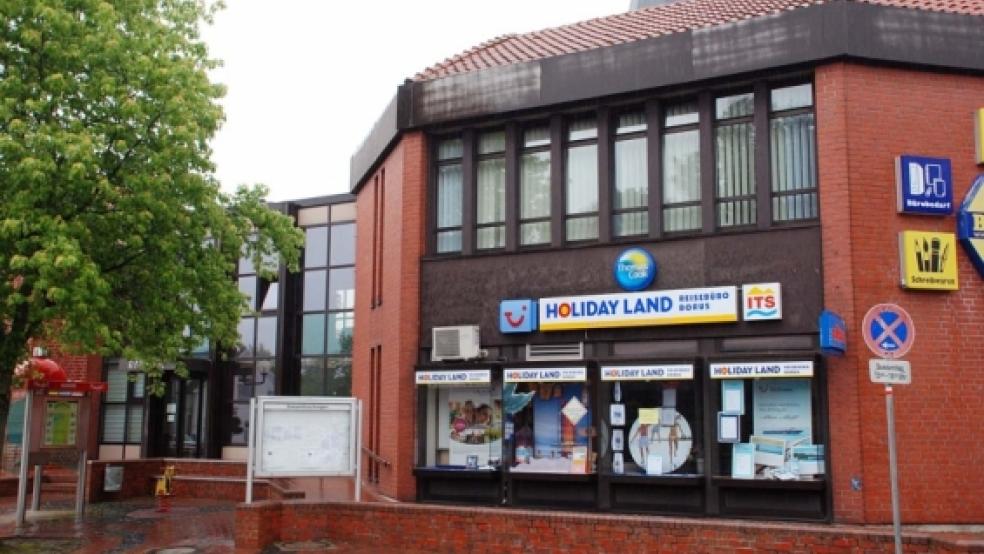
pixel 668 307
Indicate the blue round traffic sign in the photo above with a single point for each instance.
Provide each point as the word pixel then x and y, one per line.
pixel 888 331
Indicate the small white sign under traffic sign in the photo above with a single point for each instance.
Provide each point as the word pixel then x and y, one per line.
pixel 890 372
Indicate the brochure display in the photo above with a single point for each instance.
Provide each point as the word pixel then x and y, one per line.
pixel 660 448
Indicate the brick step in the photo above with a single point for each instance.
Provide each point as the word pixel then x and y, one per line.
pixel 234 488
pixel 58 487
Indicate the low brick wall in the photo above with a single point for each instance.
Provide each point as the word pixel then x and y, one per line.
pixel 425 528
pixel 218 479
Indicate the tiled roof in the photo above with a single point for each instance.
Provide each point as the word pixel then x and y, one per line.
pixel 678 16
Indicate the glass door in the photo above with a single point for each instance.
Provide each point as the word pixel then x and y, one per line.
pixel 185 426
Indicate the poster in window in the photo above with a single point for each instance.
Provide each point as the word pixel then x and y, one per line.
pixel 649 441
pixel 60 423
pixel 473 426
pixel 551 430
pixel 781 410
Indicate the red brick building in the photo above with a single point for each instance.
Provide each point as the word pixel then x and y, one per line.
pixel 737 143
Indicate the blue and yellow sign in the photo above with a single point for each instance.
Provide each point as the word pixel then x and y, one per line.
pixel 970 223
pixel 635 269
pixel 929 260
pixel 517 316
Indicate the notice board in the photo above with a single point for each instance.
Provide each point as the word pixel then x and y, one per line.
pixel 306 436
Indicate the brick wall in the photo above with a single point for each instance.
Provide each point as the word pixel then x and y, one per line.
pixel 423 528
pixel 866 116
pixel 394 324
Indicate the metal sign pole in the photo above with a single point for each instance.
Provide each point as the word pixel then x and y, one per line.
pixel 80 486
pixel 25 447
pixel 249 450
pixel 893 469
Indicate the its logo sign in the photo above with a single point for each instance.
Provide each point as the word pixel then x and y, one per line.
pixel 761 302
pixel 517 316
pixel 928 260
pixel 970 223
pixel 635 269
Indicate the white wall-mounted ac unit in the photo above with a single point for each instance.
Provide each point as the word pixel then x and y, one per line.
pixel 455 343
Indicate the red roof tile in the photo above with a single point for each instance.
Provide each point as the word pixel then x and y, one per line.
pixel 679 16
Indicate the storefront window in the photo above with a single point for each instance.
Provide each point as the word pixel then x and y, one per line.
pixel 654 419
pixel 548 418
pixel 767 427
pixel 462 421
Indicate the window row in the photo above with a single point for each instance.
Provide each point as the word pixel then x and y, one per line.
pixel 562 420
pixel 787 119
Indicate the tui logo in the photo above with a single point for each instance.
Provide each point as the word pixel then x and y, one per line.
pixel 517 316
pixel 515 323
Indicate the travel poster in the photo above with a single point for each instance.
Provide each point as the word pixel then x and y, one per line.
pixel 473 425
pixel 781 410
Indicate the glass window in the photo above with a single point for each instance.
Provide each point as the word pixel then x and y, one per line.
pixel 552 427
pixel 492 143
pixel 313 334
pixel 449 208
pixel 631 122
pixel 317 215
pixel 463 427
pixel 738 105
pixel 681 181
pixel 681 114
pixel 534 205
pixel 114 423
pixel 247 286
pixel 271 296
pixel 790 98
pixel 134 423
pixel 266 337
pixel 265 379
pixel 343 244
pixel 340 332
pixel 776 428
pixel 582 192
pixel 659 428
pixel 631 199
pixel 734 153
pixel 536 136
pixel 247 328
pixel 449 195
pixel 491 203
pixel 314 290
pixel 312 377
pixel 239 423
pixel 242 381
pixel 122 406
pixel 338 377
pixel 341 288
pixel 316 247
pixel 582 129
pixel 792 149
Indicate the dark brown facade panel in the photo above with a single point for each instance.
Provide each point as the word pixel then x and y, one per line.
pixel 467 291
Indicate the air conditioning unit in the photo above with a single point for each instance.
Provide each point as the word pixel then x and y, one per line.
pixel 455 343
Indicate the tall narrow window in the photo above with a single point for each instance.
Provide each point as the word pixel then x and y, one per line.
pixel 631 198
pixel 681 169
pixel 734 138
pixel 490 216
pixel 449 200
pixel 581 180
pixel 793 152
pixel 534 187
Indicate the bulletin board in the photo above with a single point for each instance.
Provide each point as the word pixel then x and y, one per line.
pixel 306 437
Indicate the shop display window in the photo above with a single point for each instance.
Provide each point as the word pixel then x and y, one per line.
pixel 654 424
pixel 550 424
pixel 462 421
pixel 768 423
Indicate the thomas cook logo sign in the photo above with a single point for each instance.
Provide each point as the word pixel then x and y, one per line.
pixel 635 269
pixel 970 224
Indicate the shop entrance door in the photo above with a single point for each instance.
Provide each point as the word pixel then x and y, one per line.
pixel 185 428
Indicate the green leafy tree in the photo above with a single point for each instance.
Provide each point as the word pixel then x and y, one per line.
pixel 114 235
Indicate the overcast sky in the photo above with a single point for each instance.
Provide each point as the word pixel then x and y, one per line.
pixel 307 78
